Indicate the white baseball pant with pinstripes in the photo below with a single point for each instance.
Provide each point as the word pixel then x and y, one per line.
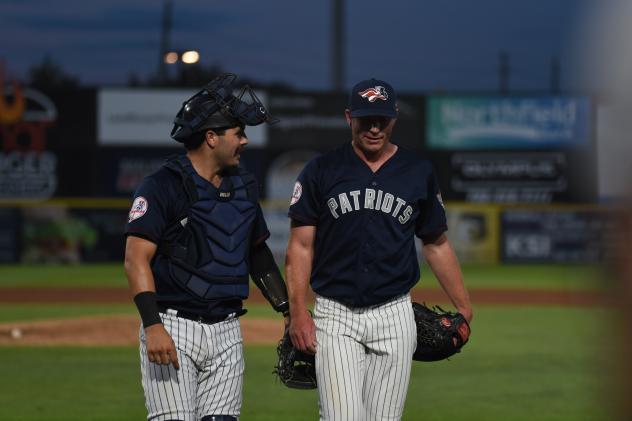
pixel 211 371
pixel 363 359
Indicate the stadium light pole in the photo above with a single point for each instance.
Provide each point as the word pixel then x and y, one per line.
pixel 554 84
pixel 337 45
pixel 165 35
pixel 503 72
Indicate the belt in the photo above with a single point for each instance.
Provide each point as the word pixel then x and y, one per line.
pixel 209 320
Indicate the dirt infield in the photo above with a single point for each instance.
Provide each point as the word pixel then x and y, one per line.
pixel 119 330
pixel 116 330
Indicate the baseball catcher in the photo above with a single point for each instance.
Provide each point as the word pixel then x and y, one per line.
pixel 440 333
pixel 296 369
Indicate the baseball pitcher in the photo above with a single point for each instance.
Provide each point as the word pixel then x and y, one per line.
pixel 354 214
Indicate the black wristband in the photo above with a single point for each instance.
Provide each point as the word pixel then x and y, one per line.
pixel 147 307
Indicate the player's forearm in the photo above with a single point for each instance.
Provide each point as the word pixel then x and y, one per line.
pixel 139 275
pixel 444 264
pixel 138 255
pixel 298 267
pixel 265 274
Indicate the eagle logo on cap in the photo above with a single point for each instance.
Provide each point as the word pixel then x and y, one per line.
pixel 375 93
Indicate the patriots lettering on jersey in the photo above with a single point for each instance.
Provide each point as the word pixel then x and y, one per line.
pixel 373 199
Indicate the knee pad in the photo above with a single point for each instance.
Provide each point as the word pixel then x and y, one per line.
pixel 218 418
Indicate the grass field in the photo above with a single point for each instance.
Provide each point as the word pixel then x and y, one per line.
pixel 476 276
pixel 522 363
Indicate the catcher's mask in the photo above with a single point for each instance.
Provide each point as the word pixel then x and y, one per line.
pixel 215 107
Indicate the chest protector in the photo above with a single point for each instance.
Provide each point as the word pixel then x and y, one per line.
pixel 209 256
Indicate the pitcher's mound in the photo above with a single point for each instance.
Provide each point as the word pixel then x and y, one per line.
pixel 112 331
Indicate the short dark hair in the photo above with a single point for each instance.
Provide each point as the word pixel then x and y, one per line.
pixel 196 139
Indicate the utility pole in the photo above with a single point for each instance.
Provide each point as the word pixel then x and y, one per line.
pixel 503 72
pixel 555 75
pixel 165 36
pixel 337 45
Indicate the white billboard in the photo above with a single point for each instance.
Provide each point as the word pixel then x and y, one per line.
pixel 144 117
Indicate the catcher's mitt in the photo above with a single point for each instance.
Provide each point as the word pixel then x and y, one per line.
pixel 440 334
pixel 296 369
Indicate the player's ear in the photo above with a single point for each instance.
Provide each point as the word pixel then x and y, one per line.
pixel 211 139
pixel 348 116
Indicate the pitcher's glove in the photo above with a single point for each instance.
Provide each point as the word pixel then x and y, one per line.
pixel 296 369
pixel 440 334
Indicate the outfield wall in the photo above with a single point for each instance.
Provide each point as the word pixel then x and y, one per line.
pixel 90 230
pixel 505 165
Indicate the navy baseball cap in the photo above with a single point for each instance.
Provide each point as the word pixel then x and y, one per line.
pixel 373 97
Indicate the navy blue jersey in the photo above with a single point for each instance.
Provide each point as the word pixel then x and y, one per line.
pixel 364 250
pixel 159 208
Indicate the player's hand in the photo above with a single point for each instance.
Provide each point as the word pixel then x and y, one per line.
pixel 303 332
pixel 160 346
pixel 467 313
pixel 464 330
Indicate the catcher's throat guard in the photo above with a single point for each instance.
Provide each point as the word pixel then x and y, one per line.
pixel 440 334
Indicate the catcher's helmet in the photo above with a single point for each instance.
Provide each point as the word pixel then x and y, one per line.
pixel 215 107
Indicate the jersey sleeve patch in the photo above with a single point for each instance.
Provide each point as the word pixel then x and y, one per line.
pixel 296 193
pixel 139 208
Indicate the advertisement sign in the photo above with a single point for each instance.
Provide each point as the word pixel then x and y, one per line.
pixel 119 170
pixel 275 214
pixel 10 233
pixel 528 122
pixel 474 232
pixel 61 234
pixel 144 117
pixel 28 169
pixel 614 150
pixel 283 172
pixel 557 236
pixel 511 177
pixel 316 121
pixel 526 177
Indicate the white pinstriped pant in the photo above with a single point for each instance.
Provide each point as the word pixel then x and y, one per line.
pixel 211 371
pixel 363 359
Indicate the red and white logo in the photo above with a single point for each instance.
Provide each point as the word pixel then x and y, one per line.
pixel 445 322
pixel 296 193
pixel 375 93
pixel 139 208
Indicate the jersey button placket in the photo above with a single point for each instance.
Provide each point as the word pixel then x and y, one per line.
pixel 367 255
pixel 371 217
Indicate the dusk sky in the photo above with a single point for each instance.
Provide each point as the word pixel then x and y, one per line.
pixel 417 45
